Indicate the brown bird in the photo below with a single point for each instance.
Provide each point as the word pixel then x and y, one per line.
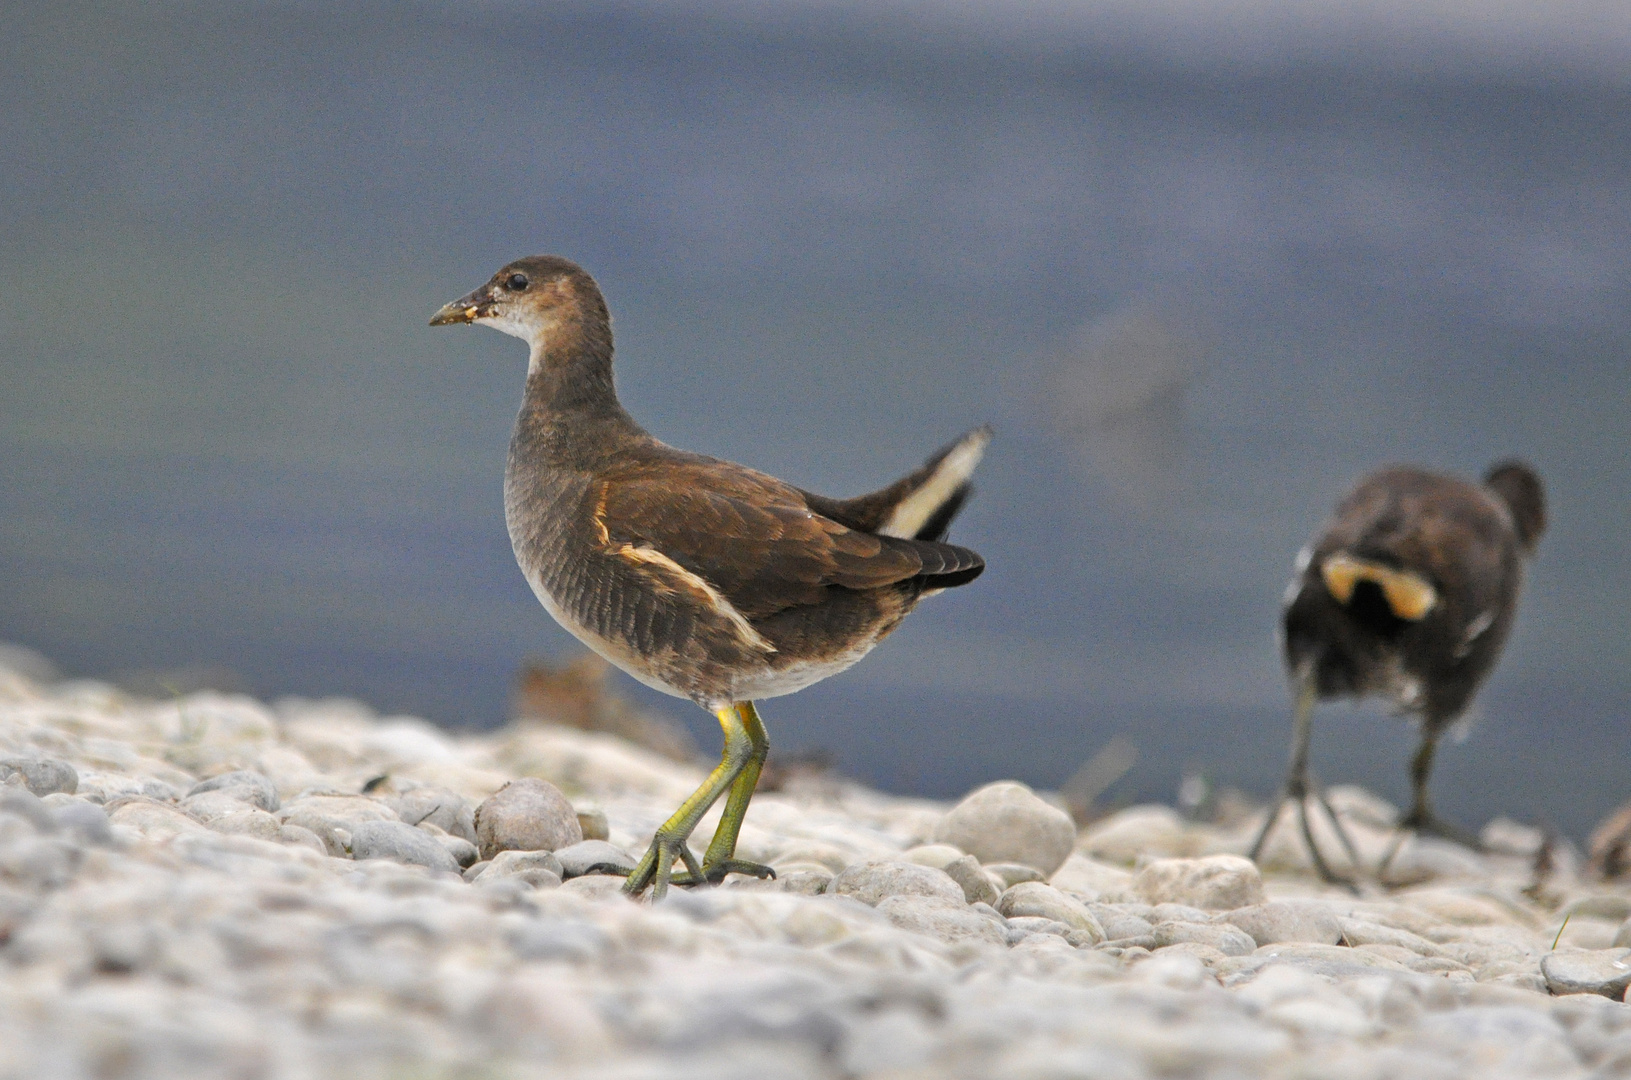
pixel 1408 594
pixel 702 578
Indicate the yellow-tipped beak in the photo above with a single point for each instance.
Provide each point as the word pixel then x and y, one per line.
pixel 459 311
pixel 1408 596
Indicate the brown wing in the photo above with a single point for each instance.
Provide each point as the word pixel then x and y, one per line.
pixel 749 536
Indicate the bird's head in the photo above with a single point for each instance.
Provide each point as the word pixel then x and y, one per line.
pixel 531 299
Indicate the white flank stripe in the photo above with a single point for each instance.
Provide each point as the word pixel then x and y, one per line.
pixel 699 585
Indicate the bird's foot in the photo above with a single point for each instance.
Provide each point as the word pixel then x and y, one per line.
pixel 656 869
pixel 1427 823
pixel 1422 822
pixel 716 871
pixel 1298 795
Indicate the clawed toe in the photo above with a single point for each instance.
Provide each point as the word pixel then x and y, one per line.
pixel 656 868
pixel 1427 823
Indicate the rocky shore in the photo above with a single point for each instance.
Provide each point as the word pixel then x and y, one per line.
pixel 212 887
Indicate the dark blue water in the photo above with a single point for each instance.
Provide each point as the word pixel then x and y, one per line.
pixel 1199 284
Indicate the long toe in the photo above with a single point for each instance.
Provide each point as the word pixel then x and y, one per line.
pixel 1430 824
pixel 656 869
pixel 717 872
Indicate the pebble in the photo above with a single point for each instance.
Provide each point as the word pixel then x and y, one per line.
pixel 152 820
pixel 136 938
pixel 1280 921
pixel 1006 822
pixel 1010 874
pixel 1033 898
pixel 1228 940
pixel 295 834
pixel 871 881
pixel 538 868
pixel 224 812
pixel 950 921
pixel 526 815
pixel 978 886
pixel 593 823
pixel 939 856
pixel 402 842
pixel 447 810
pixel 463 851
pixel 241 784
pixel 1093 879
pixel 802 878
pixel 85 821
pixel 1217 882
pixel 42 776
pixel 593 857
pixel 1595 971
pixel 333 817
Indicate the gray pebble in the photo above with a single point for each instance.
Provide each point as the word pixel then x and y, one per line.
pixel 404 843
pixel 977 885
pixel 42 776
pixel 869 882
pixel 592 820
pixel 1010 874
pixel 85 821
pixel 1229 940
pixel 526 815
pixel 297 834
pixel 463 851
pixel 17 800
pixel 593 857
pixel 1006 822
pixel 804 879
pixel 447 810
pixel 1161 913
pixel 538 868
pixel 1021 926
pixel 1216 882
pixel 476 869
pixel 1288 921
pixel 243 785
pixel 1588 971
pixel 1117 925
pixel 225 812
pixel 950 921
pixel 1033 898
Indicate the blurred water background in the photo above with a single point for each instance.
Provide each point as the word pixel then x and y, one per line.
pixel 1202 263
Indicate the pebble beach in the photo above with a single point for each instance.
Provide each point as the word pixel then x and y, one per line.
pixel 216 887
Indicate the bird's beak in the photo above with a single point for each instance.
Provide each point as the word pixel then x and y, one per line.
pixel 478 305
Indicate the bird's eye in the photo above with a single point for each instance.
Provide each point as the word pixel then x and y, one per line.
pixel 516 282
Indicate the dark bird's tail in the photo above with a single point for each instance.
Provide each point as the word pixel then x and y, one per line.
pixel 920 505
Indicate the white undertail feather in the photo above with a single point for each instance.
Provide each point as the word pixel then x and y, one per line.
pixel 914 511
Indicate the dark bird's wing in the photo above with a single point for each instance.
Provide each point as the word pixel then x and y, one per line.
pixel 755 540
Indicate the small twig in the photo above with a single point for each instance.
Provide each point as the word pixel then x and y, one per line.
pixel 1559 937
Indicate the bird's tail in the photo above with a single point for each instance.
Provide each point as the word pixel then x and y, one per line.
pixel 921 504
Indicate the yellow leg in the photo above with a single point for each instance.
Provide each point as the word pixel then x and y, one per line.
pixel 656 868
pixel 719 859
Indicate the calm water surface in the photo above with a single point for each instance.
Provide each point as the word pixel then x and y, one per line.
pixel 1198 292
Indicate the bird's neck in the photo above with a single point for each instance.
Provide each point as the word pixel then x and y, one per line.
pixel 570 395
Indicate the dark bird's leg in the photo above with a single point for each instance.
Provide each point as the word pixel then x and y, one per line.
pixel 720 859
pixel 1300 785
pixel 656 868
pixel 1421 818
